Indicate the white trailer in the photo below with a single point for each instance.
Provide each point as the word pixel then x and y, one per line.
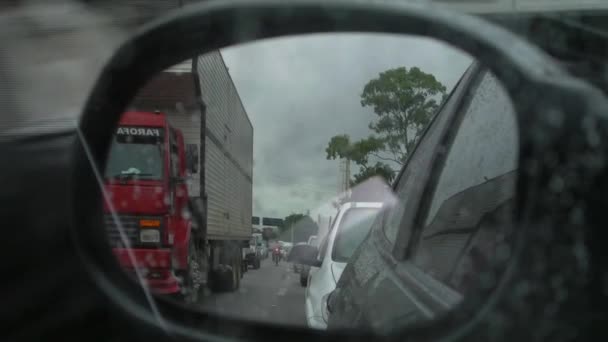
pixel 226 184
pixel 200 99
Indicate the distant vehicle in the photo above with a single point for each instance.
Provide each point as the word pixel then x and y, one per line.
pixel 264 248
pixel 262 245
pixel 305 269
pixel 350 229
pixel 254 254
pixel 285 248
pixel 297 267
pixel 277 254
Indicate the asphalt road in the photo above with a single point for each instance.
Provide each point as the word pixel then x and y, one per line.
pixel 270 293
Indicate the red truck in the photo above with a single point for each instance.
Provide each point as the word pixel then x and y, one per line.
pixel 145 177
pixel 186 219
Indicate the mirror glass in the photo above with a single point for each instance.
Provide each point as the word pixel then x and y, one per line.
pixel 392 157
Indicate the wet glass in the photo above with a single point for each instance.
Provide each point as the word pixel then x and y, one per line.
pixel 224 164
pixel 136 159
pixel 354 227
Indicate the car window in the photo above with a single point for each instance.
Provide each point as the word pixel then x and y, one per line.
pixel 475 185
pixel 323 247
pixel 411 182
pixel 354 227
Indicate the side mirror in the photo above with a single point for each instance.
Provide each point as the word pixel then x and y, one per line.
pixel 545 98
pixel 304 255
pixel 192 158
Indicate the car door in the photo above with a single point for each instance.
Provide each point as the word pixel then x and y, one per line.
pixel 465 225
pixel 368 282
pixel 455 220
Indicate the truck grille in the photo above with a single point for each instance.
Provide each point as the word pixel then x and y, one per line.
pixel 130 226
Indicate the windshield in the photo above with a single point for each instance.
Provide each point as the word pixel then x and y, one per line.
pixel 135 160
pixel 354 227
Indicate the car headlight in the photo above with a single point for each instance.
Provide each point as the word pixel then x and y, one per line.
pixel 149 236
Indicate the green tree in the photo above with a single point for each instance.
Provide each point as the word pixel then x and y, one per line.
pixel 404 102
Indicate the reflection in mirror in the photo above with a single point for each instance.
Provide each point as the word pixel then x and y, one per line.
pixel 348 133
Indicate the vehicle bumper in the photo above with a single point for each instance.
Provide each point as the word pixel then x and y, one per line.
pixel 154 265
pixel 166 284
pixel 143 258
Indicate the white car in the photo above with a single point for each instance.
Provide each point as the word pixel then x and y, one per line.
pixel 350 228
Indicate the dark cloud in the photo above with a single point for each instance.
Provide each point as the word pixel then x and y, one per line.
pixel 301 91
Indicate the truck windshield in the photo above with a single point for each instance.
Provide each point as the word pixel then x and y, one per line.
pixel 137 159
pixel 354 227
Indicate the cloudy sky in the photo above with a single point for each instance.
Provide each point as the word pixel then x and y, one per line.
pixel 301 91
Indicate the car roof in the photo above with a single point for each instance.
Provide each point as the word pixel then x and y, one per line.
pixel 349 205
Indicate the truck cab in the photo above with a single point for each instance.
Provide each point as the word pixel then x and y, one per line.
pixel 146 207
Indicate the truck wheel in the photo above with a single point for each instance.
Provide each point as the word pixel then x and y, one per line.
pixel 192 276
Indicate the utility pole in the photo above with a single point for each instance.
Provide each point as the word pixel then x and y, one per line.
pixel 344 176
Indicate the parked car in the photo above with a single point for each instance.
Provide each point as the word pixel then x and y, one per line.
pixel 305 269
pixel 351 226
pixel 253 255
pixel 286 248
pixel 427 252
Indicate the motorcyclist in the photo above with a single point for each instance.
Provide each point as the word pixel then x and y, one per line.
pixel 276 254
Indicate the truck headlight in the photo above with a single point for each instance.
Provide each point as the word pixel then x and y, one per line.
pixel 149 236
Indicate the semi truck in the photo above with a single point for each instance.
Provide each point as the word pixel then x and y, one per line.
pixel 179 179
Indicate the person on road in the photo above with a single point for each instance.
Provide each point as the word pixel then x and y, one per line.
pixel 276 254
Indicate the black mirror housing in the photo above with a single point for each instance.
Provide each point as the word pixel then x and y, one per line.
pixel 536 84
